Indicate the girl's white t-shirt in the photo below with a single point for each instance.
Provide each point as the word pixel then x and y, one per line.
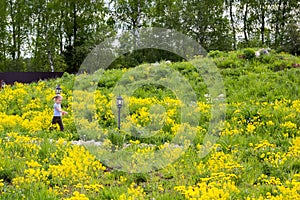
pixel 56 108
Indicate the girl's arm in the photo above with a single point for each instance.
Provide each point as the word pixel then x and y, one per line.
pixel 60 110
pixel 64 112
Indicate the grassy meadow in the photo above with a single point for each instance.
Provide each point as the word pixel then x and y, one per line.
pixel 257 155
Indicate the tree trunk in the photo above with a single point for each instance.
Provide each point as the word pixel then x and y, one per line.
pixel 245 27
pixel 74 24
pixel 3 31
pixel 61 33
pixel 37 35
pixel 13 51
pixel 18 42
pixel 137 33
pixel 277 23
pixel 232 24
pixel 50 58
pixel 262 29
pixel 49 53
pixel 283 18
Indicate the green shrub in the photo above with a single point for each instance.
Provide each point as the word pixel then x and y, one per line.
pixel 280 65
pixel 227 63
pixel 249 53
pixel 217 54
pixel 267 58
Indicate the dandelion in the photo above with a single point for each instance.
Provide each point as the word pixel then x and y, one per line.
pixel 1 183
pixel 289 125
pixel 250 128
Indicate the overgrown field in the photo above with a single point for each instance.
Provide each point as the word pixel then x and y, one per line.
pixel 257 155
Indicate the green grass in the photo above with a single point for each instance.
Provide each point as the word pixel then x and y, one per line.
pixel 258 90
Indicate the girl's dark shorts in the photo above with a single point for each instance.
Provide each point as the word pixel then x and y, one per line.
pixel 58 120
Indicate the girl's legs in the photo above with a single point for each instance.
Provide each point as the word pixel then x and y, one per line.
pixel 58 120
pixel 61 126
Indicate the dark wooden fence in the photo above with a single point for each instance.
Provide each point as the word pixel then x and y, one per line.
pixel 28 77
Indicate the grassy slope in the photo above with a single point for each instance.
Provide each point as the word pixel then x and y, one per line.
pixel 259 90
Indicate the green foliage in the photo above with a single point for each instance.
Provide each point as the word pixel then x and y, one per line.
pixel 34 34
pixel 248 53
pixel 217 54
pixel 227 63
pixel 262 123
pixel 292 41
pixel 242 71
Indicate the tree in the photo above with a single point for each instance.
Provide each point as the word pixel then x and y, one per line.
pixel 3 30
pixel 167 14
pixel 232 4
pixel 253 17
pixel 204 21
pixel 63 32
pixel 245 11
pixel 84 26
pixel 130 14
pixel 18 13
pixel 291 42
pixel 283 15
pixel 48 35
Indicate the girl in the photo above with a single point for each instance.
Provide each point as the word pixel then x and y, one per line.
pixel 58 112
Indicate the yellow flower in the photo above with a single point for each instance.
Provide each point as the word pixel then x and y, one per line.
pixel 250 128
pixel 296 105
pixel 33 164
pixel 133 193
pixel 289 125
pixel 269 123
pixel 77 196
pixel 134 142
pixel 1 183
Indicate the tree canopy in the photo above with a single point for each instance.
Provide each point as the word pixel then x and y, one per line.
pixel 54 35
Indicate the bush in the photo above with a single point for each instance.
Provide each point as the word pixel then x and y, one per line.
pixel 292 41
pixel 249 53
pixel 217 54
pixel 279 65
pixel 227 63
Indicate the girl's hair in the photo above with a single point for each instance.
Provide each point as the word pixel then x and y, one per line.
pixel 57 97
